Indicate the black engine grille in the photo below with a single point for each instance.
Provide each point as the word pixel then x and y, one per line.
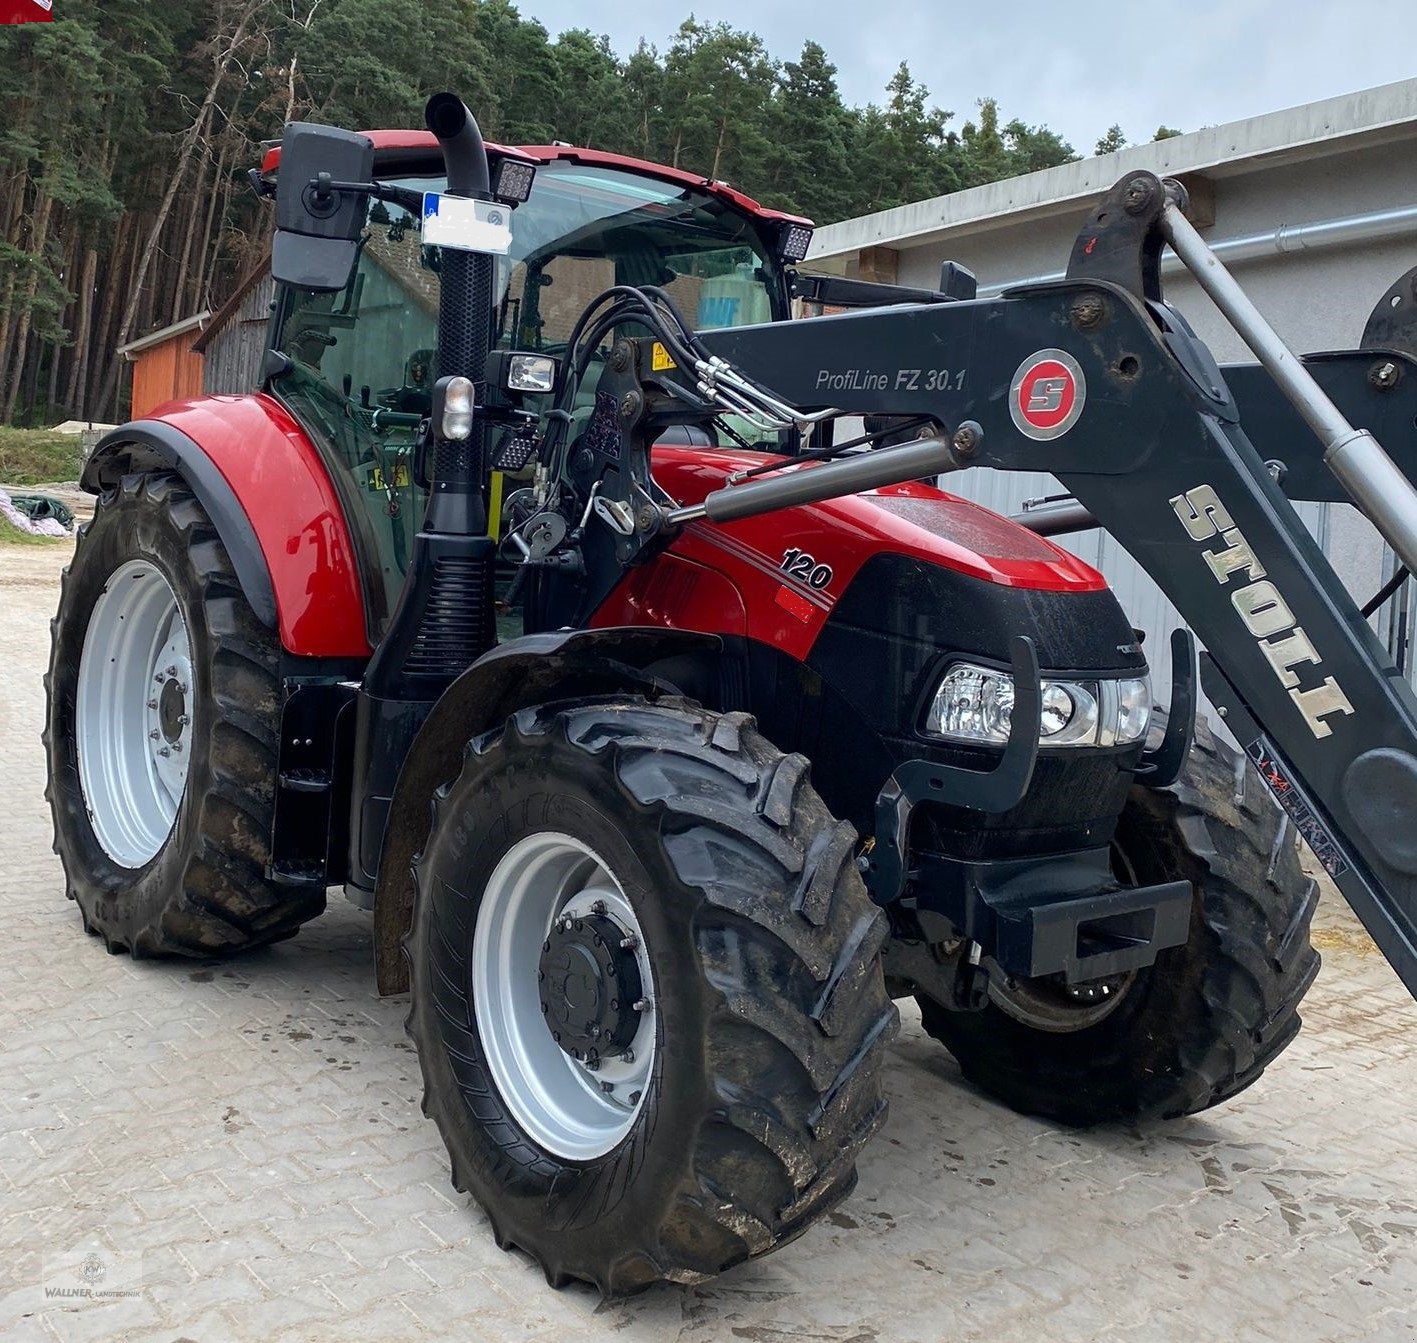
pixel 459 619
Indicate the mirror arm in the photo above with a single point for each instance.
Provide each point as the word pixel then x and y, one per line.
pixel 409 199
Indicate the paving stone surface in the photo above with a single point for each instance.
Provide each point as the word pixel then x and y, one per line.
pixel 241 1148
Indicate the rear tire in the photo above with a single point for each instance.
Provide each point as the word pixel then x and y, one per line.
pixel 1205 1021
pixel 200 889
pixel 770 1016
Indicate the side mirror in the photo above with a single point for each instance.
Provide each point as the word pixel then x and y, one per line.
pixel 318 226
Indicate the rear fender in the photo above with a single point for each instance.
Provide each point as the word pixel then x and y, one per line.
pixel 150 445
pixel 537 669
pixel 268 494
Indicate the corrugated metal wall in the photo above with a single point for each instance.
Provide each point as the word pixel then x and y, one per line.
pixel 233 358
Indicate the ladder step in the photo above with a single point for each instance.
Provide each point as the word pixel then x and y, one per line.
pixel 306 780
pixel 297 874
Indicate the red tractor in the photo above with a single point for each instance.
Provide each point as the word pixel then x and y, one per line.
pixel 668 733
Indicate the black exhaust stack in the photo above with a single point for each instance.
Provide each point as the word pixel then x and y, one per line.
pixel 464 325
pixel 446 616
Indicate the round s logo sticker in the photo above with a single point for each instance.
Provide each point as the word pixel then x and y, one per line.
pixel 1047 395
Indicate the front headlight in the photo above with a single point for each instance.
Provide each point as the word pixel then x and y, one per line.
pixel 1133 709
pixel 1079 728
pixel 973 704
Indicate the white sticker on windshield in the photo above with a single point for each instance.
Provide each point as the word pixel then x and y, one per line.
pixel 468 225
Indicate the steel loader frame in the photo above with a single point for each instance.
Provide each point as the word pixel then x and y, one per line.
pixel 1374 386
pixel 1160 460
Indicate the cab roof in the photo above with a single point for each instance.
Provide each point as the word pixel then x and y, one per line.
pixel 409 150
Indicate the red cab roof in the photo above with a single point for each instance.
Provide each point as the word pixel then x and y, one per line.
pixel 391 143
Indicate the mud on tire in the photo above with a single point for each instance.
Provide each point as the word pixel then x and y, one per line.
pixel 1205 1021
pixel 772 1019
pixel 204 892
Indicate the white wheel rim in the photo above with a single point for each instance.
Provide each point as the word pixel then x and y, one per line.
pixel 571 1111
pixel 133 725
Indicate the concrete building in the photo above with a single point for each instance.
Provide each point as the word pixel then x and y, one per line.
pixel 1313 208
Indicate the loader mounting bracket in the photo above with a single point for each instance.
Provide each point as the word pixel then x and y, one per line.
pixel 1120 242
pixel 995 790
pixel 1162 767
pixel 1392 325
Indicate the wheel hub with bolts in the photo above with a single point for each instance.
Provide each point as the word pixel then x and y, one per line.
pixel 543 986
pixel 169 713
pixel 589 983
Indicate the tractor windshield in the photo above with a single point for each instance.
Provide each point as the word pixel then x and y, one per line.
pixel 585 229
pixel 362 362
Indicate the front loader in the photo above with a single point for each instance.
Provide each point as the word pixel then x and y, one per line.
pixel 670 731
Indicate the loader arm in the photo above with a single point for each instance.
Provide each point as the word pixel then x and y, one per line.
pixel 1097 381
pixel 1375 389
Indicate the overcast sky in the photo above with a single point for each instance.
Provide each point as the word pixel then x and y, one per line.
pixel 1075 68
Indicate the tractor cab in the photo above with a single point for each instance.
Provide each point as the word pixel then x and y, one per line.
pixel 356 367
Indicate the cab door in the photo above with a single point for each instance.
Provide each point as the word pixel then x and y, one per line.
pixel 361 369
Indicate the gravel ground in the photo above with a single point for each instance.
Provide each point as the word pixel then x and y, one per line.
pixel 234 1152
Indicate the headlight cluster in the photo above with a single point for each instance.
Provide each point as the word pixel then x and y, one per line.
pixel 973 704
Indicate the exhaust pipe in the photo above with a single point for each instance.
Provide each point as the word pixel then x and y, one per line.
pixel 446 614
pixel 465 295
pixel 464 154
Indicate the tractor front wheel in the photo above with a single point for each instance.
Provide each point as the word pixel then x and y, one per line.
pixel 1208 1017
pixel 646 991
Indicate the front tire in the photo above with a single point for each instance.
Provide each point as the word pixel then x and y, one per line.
pixel 162 731
pixel 686 834
pixel 1203 1022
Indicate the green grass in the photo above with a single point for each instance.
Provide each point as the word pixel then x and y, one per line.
pixel 10 535
pixel 37 457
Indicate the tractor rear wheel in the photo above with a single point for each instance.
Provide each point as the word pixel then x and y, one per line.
pixel 1206 1020
pixel 163 724
pixel 647 995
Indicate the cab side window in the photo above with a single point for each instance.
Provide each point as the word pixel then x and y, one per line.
pixel 362 368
